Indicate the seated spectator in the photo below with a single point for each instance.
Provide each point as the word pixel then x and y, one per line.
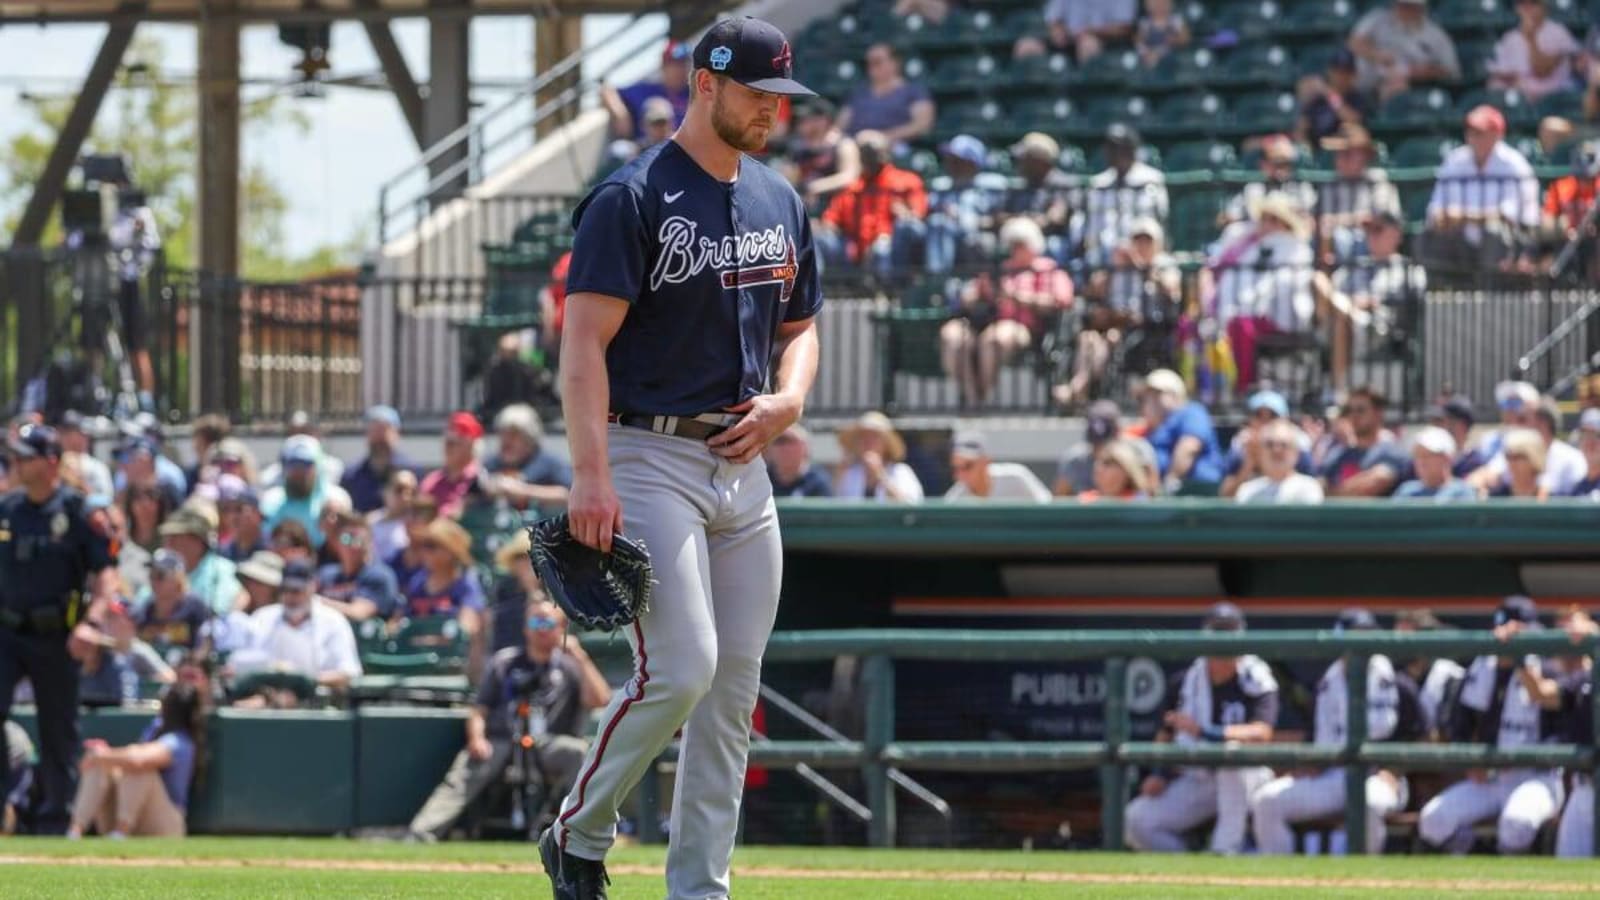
pixel 407 562
pixel 261 575
pixel 16 780
pixel 1591 90
pixel 1525 462
pixel 1485 195
pixel 542 690
pixel 859 223
pixel 191 532
pixel 873 467
pixel 1120 473
pixel 1432 452
pixel 205 434
pixel 626 106
pixel 241 527
pixel 146 506
pixel 1243 460
pixel 291 540
pixel 231 456
pixel 448 585
pixel 1159 32
pixel 1589 443
pixel 900 110
pixel 450 484
pixel 1361 193
pixel 1262 273
pixel 1561 465
pixel 1370 463
pixel 1400 47
pixel 1279 483
pixel 1536 57
pixel 1329 103
pixel 997 318
pixel 97 481
pixel 365 479
pixel 1505 701
pixel 389 523
pixel 1081 27
pixel 174 619
pixel 1569 198
pixel 789 466
pixel 1218 699
pixel 301 424
pixel 524 471
pixel 1279 164
pixel 1126 191
pixel 1041 191
pixel 300 634
pixel 978 477
pixel 304 490
pixel 1381 292
pixel 111 659
pixel 660 121
pixel 961 211
pixel 824 159
pixel 515 585
pixel 140 463
pixel 357 585
pixel 142 790
pixel 510 377
pixel 1133 306
pixel 1320 793
pixel 1101 425
pixel 1456 416
pixel 1181 432
pixel 1517 401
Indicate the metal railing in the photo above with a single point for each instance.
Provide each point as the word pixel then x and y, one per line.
pixel 879 752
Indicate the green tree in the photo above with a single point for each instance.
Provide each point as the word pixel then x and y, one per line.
pixel 153 120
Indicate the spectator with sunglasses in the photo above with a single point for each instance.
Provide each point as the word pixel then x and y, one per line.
pixel 1278 482
pixel 389 522
pixel 1243 462
pixel 243 528
pixel 978 477
pixel 356 584
pixel 541 690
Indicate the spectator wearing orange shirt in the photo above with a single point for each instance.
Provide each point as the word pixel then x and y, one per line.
pixel 858 224
pixel 1568 198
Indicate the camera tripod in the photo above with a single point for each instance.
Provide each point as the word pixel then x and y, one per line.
pixel 75 374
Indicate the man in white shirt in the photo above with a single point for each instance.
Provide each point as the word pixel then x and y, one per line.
pixel 1485 195
pixel 1279 483
pixel 301 634
pixel 1128 190
pixel 1536 56
pixel 1400 46
pixel 1565 465
pixel 979 478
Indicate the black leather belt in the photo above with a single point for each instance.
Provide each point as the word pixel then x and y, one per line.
pixel 703 427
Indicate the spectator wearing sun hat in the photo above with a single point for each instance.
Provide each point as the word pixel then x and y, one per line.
pixel 1041 191
pixel 364 480
pixel 449 484
pixel 447 585
pixel 305 489
pixel 191 532
pixel 873 467
pixel 1433 451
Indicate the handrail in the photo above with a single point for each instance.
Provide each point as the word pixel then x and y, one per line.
pixel 881 647
pixel 470 134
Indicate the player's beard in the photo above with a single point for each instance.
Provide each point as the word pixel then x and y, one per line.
pixel 740 136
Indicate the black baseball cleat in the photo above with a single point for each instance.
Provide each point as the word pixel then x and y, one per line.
pixel 571 877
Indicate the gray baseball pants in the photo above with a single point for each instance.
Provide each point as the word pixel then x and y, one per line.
pixel 712 532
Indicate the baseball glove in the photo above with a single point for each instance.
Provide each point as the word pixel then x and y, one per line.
pixel 598 591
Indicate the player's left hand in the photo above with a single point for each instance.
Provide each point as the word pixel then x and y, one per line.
pixel 765 417
pixel 1183 722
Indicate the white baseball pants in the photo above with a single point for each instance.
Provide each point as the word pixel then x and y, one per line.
pixel 1284 801
pixel 1575 837
pixel 1523 799
pixel 712 532
pixel 1195 795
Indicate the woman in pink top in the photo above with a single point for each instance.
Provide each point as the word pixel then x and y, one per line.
pixel 450 484
pixel 1536 56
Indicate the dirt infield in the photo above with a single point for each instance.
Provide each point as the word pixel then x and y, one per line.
pixel 883 875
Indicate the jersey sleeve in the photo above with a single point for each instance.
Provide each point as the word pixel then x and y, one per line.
pixel 610 249
pixel 98 554
pixel 807 300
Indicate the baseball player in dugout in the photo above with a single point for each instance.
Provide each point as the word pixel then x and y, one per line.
pixel 1220 699
pixel 689 345
pixel 57 576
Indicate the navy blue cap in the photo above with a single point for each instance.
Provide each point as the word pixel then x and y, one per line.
pixel 1356 619
pixel 34 441
pixel 297 575
pixel 1456 406
pixel 753 53
pixel 1516 608
pixel 1225 616
pixel 1343 59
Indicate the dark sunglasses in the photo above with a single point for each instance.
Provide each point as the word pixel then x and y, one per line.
pixel 542 623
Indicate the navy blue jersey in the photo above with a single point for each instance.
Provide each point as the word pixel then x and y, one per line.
pixel 47 550
pixel 711 269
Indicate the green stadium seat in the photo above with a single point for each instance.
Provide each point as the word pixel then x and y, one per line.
pixel 1192 220
pixel 1475 53
pixel 1572 14
pixel 1422 152
pixel 1148 154
pixel 1022 22
pixel 1098 114
pixel 1252 20
pixel 1194 68
pixel 1048 114
pixel 1519 111
pixel 1566 104
pixel 1200 156
pixel 1265 113
pixel 983 118
pixel 839 78
pixel 1422 109
pixel 1073 160
pixel 967 74
pixel 1110 69
pixel 1188 115
pixel 1305 20
pixel 1260 64
pixel 1041 72
pixel 1475 15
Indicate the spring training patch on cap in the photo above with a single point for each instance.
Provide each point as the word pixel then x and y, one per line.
pixel 720 57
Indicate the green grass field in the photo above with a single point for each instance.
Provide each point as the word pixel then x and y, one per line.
pixel 247 867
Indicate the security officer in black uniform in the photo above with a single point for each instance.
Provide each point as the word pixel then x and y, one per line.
pixel 50 548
